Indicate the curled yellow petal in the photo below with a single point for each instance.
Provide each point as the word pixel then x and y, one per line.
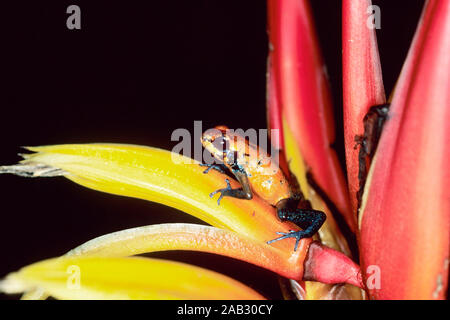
pixel 124 278
pixel 183 236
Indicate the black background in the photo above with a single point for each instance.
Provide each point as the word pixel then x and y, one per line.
pixel 135 72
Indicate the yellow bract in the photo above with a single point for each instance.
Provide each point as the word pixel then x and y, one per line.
pixel 124 278
pixel 184 236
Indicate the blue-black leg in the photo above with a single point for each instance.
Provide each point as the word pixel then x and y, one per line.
pixel 307 219
pixel 229 192
pixel 216 166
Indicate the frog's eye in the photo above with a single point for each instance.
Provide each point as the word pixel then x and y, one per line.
pixel 220 143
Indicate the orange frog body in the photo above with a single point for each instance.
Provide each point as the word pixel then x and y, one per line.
pixel 250 163
pixel 258 173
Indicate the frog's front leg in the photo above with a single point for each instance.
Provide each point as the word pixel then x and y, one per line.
pixel 240 193
pixel 216 166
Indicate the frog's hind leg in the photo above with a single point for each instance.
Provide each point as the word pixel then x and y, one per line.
pixel 307 219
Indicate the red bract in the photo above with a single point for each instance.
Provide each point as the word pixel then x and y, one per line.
pixel 406 209
pixel 328 266
pixel 405 226
pixel 362 82
pixel 303 94
pixel 274 120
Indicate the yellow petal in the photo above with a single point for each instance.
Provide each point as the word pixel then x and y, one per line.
pixel 124 278
pixel 184 236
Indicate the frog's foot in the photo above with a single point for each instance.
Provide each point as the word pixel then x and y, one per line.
pixel 298 235
pixel 229 192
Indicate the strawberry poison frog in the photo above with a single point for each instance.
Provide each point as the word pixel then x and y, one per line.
pixel 257 173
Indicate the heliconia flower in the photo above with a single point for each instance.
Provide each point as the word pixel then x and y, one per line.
pixel 403 225
pixel 151 174
pixel 405 215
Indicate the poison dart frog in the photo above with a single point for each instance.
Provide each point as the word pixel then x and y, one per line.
pixel 257 174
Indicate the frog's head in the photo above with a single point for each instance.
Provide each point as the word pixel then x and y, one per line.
pixel 216 141
pixel 226 145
